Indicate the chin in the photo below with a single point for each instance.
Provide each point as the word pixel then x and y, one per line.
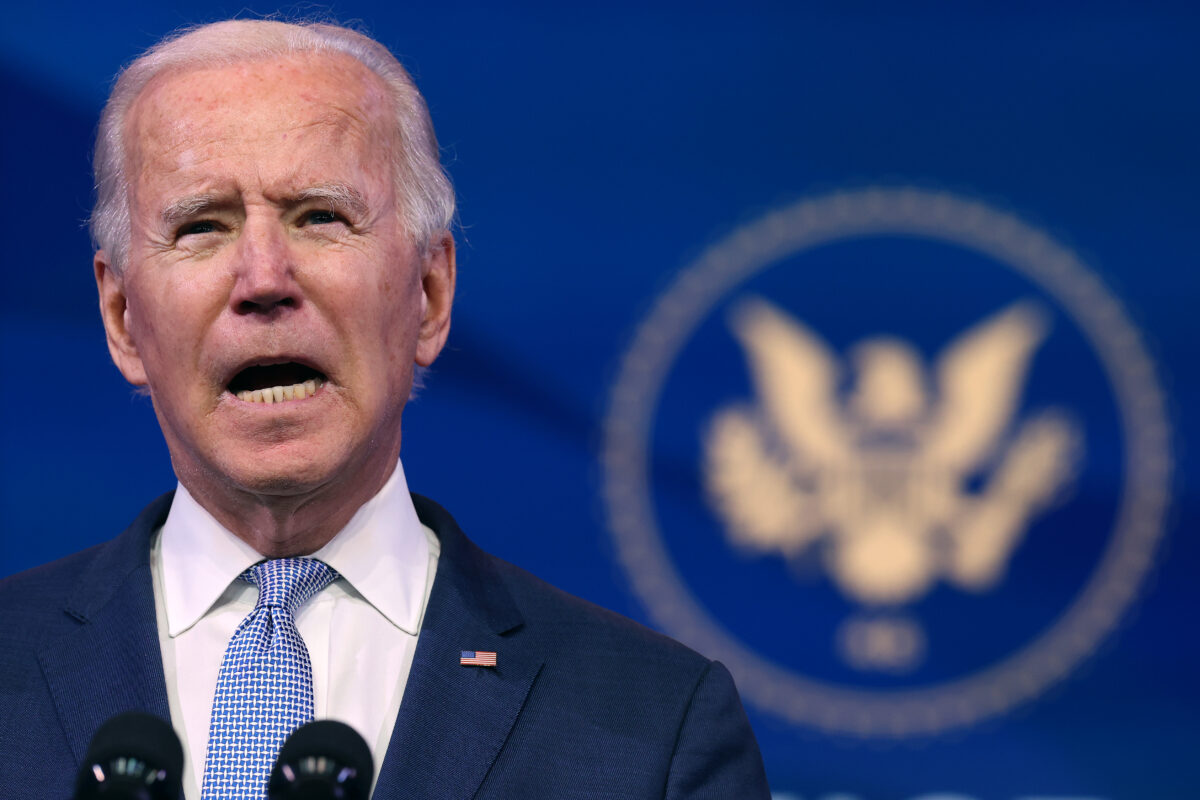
pixel 276 484
pixel 284 472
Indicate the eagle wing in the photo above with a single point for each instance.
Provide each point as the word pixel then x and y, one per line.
pixel 980 379
pixel 796 376
pixel 764 508
pixel 1036 467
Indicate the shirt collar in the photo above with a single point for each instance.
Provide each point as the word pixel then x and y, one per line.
pixel 383 553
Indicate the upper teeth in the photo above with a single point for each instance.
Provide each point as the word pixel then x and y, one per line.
pixel 277 394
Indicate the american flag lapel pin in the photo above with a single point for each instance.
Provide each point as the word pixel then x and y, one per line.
pixel 477 658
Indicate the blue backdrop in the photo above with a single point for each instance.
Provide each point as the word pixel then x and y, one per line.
pixel 643 190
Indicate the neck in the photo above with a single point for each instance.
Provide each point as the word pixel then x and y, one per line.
pixel 286 525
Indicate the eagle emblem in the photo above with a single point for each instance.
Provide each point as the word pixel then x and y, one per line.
pixel 898 475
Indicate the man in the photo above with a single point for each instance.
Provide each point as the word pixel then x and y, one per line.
pixel 273 262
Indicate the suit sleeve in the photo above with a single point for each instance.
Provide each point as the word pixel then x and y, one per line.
pixel 716 755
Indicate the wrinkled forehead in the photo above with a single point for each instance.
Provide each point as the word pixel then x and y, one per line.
pixel 186 108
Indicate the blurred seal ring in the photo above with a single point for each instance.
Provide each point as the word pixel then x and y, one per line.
pixel 1093 614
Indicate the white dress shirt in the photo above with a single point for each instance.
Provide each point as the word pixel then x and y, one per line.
pixel 361 630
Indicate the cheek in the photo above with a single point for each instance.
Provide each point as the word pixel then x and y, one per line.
pixel 144 326
pixel 398 290
pixel 167 324
pixel 398 319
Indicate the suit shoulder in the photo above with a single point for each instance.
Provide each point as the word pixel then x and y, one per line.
pixel 40 598
pixel 47 585
pixel 568 621
pixel 666 715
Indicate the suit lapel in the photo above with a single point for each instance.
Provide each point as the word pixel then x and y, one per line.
pixel 454 720
pixel 111 662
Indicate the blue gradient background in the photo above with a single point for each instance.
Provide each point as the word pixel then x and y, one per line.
pixel 597 151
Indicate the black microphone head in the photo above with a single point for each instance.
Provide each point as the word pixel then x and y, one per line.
pixel 322 760
pixel 133 756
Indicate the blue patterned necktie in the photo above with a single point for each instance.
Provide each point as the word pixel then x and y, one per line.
pixel 264 688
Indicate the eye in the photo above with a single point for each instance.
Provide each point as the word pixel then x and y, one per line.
pixel 320 216
pixel 197 227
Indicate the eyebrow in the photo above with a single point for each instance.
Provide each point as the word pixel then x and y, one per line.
pixel 335 195
pixel 185 208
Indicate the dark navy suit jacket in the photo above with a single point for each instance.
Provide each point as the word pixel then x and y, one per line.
pixel 582 704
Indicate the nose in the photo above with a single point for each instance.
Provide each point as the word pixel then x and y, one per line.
pixel 265 279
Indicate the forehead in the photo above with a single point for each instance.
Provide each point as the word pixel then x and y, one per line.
pixel 190 114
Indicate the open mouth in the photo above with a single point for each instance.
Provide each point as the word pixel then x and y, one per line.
pixel 276 383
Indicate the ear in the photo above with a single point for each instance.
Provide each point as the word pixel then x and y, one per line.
pixel 437 295
pixel 114 310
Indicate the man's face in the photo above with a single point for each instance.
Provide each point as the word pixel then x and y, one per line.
pixel 267 251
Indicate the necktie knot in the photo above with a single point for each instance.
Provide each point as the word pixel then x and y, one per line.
pixel 288 582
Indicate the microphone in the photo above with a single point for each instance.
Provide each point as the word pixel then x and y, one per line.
pixel 133 756
pixel 322 760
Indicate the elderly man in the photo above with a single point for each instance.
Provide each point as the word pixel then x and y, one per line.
pixel 273 262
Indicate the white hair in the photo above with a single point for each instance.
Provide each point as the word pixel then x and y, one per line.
pixel 426 196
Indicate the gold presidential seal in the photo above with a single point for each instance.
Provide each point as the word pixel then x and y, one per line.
pixel 910 483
